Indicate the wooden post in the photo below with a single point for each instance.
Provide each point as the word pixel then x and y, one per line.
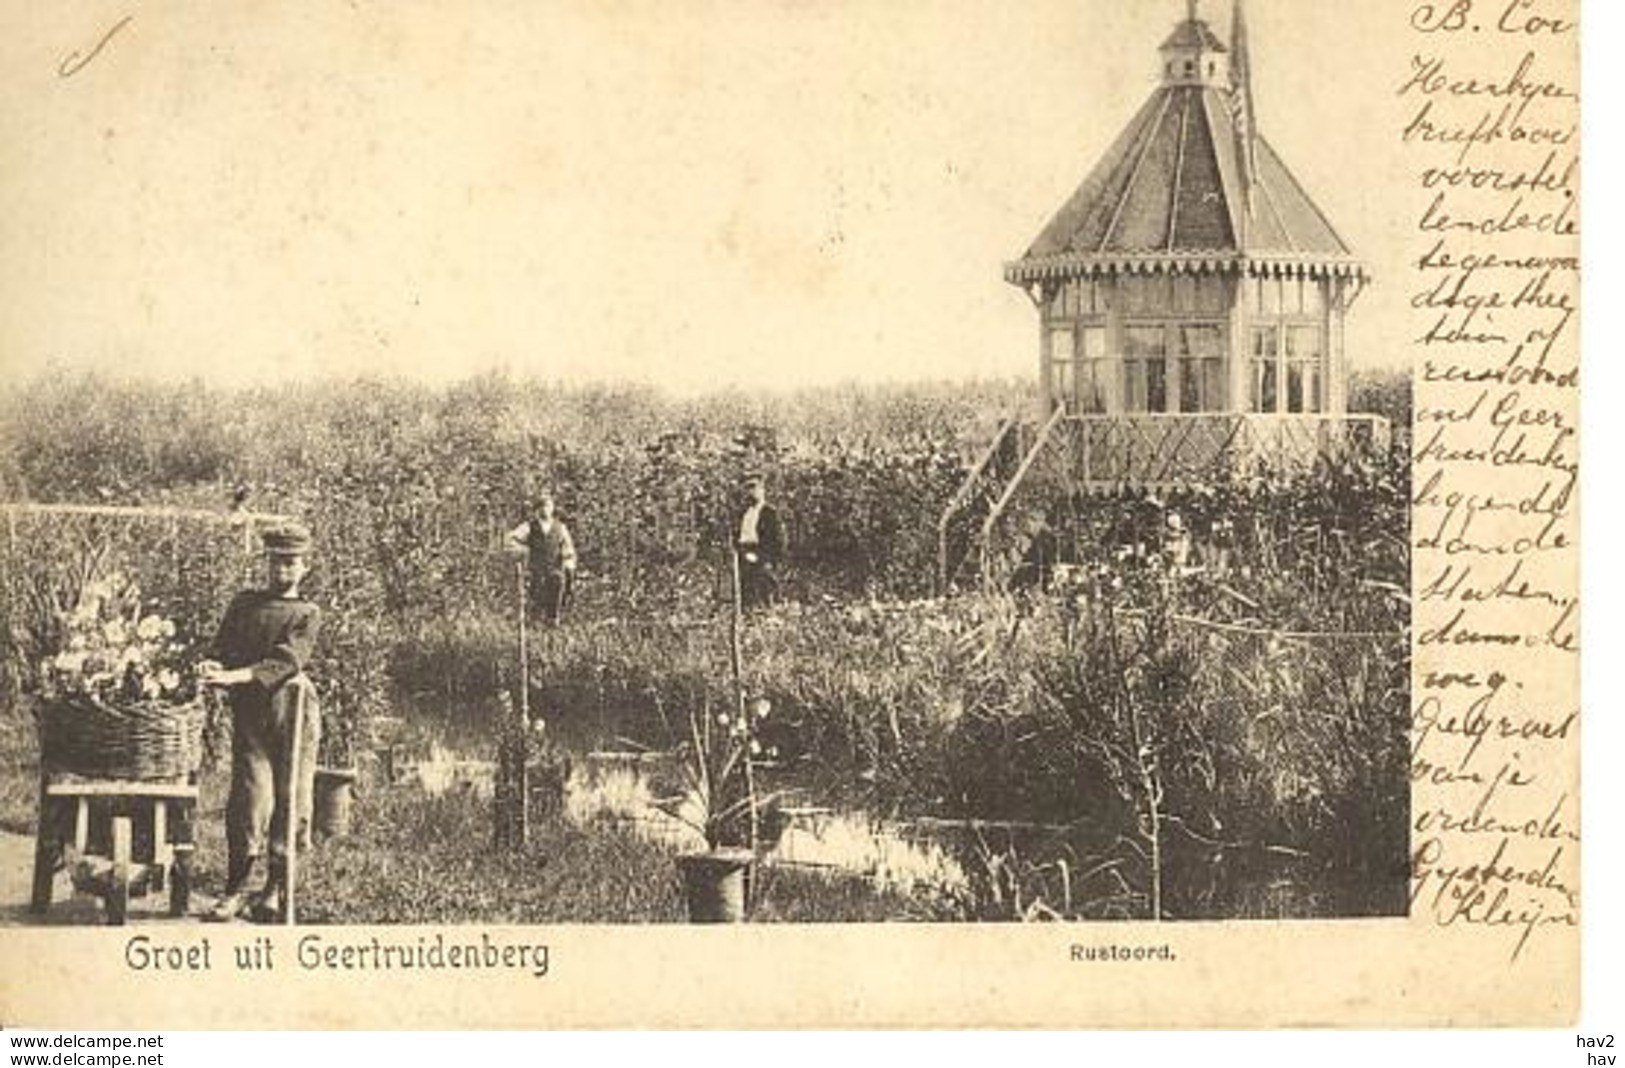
pixel 161 854
pixel 736 656
pixel 118 876
pixel 81 826
pixel 512 803
pixel 180 875
pixel 522 749
pixel 47 848
pixel 290 823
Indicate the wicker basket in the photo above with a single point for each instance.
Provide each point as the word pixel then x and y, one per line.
pixel 137 742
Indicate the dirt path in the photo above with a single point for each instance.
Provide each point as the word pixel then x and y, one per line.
pixel 67 908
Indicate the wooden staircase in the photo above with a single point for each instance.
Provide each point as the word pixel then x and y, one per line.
pixel 1028 464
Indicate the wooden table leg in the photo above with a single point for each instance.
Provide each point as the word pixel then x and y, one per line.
pixel 162 855
pixel 118 878
pixel 81 825
pixel 180 876
pixel 47 851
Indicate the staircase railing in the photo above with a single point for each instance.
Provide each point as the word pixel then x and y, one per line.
pixel 1040 444
pixel 1007 426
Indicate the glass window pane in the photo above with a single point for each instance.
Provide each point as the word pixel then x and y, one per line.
pixel 1201 387
pixel 1145 350
pixel 1205 341
pixel 1062 364
pixel 1303 343
pixel 1294 387
pixel 1195 386
pixel 1184 294
pixel 1109 380
pixel 1097 386
pixel 1063 378
pixel 1145 342
pixel 1060 343
pixel 1264 386
pixel 1130 293
pixel 1195 348
pixel 1156 386
pixel 1098 376
pixel 1264 343
pixel 1146 296
pixel 1266 373
pixel 1088 402
pixel 1314 297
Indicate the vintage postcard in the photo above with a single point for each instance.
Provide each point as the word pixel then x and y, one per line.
pixel 724 514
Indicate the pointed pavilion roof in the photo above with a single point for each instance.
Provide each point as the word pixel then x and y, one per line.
pixel 1168 195
pixel 1194 33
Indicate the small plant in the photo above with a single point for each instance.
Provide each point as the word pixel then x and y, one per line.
pixel 718 761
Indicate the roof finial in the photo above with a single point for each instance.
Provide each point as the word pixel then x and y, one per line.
pixel 1190 10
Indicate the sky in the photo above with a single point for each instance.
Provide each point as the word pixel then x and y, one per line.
pixel 772 193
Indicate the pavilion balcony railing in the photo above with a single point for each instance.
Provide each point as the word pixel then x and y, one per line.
pixel 1163 450
pixel 1072 452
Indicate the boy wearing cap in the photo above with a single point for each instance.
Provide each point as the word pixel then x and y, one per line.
pixel 265 640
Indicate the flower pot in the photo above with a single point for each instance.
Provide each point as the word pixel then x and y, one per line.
pixel 714 884
pixel 334 802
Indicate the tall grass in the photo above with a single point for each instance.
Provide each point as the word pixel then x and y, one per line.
pixel 1163 738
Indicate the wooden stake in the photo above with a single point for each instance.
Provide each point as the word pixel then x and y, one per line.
pixel 736 619
pixel 290 822
pixel 513 763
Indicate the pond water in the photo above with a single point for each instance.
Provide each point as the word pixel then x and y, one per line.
pixel 1003 870
pixel 642 791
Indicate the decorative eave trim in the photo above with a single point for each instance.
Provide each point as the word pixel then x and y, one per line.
pixel 1088 265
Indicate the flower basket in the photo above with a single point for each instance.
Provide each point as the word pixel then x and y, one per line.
pixel 135 741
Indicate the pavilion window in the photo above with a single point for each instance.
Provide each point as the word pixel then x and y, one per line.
pixel 1211 296
pixel 1145 365
pixel 1184 294
pixel 1099 376
pixel 1200 353
pixel 1146 296
pixel 1314 299
pixel 1266 369
pixel 1063 365
pixel 1086 300
pixel 1269 296
pixel 1304 357
pixel 1291 296
pixel 1057 302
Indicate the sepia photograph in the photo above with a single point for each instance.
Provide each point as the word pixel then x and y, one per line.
pixel 1121 632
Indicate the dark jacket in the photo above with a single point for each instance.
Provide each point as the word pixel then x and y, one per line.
pixel 275 637
pixel 770 540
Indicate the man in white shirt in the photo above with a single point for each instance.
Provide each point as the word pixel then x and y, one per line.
pixel 759 541
pixel 552 553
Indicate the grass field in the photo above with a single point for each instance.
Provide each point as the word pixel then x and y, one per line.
pixel 1229 744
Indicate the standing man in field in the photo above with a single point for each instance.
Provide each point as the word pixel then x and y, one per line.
pixel 265 640
pixel 552 560
pixel 759 541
